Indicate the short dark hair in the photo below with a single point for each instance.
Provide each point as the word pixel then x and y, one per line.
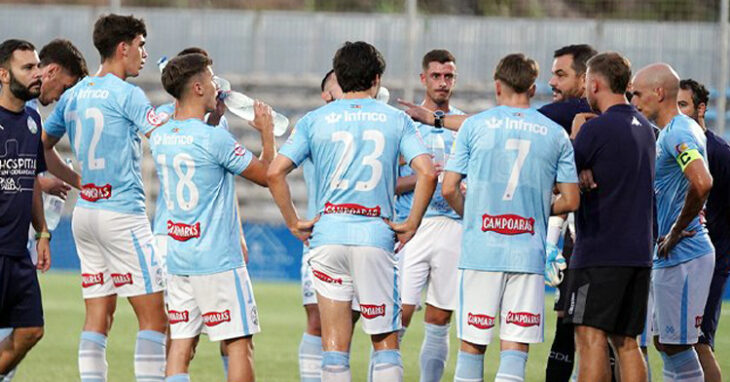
pixel 441 56
pixel 111 29
pixel 193 49
pixel 614 67
pixel 517 71
pixel 8 47
pixel 581 54
pixel 326 77
pixel 180 70
pixel 356 65
pixel 699 91
pixel 62 52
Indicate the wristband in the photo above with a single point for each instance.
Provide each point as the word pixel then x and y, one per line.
pixel 44 234
pixel 555 226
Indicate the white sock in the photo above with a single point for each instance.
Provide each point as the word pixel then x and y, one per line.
pixel 310 358
pixel 92 357
pixel 336 367
pixel 387 366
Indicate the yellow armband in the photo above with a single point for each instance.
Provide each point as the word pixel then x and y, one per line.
pixel 686 157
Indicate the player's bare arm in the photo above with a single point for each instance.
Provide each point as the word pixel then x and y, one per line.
pixel 280 191
pixel 423 115
pixel 39 224
pixel 578 122
pixel 451 190
pixel 700 184
pixel 425 186
pixel 55 164
pixel 53 186
pixel 405 184
pixel 263 122
pixel 567 200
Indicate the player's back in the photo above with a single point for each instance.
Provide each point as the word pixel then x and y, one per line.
pixel 514 157
pixel 196 164
pixel 354 146
pixel 104 117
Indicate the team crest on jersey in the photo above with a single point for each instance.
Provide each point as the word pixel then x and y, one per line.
pixel 371 311
pixel 92 193
pixel 351 209
pixel 682 147
pixel 326 278
pixel 239 150
pixel 480 321
pixel 91 279
pixel 509 224
pixel 182 231
pixel 524 319
pixel 176 316
pixel 216 318
pixel 153 118
pixel 32 126
pixel 120 279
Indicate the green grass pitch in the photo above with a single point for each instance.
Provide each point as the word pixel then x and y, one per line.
pixel 282 322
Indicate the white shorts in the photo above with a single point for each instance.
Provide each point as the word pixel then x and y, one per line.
pixel 161 246
pixel 309 295
pixel 518 299
pixel 221 303
pixel 117 254
pixel 645 338
pixel 431 257
pixel 680 294
pixel 368 274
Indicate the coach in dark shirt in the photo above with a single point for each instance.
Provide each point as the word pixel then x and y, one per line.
pixel 21 159
pixel 611 262
pixel 692 100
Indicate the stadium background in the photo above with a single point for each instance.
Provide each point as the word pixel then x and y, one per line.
pixel 278 50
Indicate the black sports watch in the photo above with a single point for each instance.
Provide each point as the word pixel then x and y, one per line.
pixel 438 119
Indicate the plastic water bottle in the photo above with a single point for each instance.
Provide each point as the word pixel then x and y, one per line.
pixel 435 144
pixel 53 206
pixel 242 106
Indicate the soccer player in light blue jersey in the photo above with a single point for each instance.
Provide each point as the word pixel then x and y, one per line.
pixel 512 156
pixel 208 283
pixel 104 116
pixel 354 144
pixel 430 259
pixel 684 258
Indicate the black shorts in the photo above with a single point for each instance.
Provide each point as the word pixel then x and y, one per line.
pixel 20 293
pixel 562 289
pixel 712 309
pixel 613 299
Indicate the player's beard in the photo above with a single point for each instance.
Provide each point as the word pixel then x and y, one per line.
pixel 22 92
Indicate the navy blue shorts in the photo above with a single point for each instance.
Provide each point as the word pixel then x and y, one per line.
pixel 711 317
pixel 20 293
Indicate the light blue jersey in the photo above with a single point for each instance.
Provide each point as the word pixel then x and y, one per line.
pixel 103 117
pixel 438 205
pixel 196 164
pixel 681 139
pixel 354 146
pixel 512 158
pixel 159 224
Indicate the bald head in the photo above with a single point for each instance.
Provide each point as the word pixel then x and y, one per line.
pixel 655 89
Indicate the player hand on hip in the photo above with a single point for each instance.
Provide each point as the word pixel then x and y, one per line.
pixel 666 243
pixel 302 229
pixel 404 232
pixel 43 247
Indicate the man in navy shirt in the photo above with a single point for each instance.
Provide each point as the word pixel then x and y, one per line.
pixel 568 87
pixel 611 263
pixel 21 159
pixel 692 100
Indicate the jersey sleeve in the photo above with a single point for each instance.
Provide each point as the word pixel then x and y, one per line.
pixel 296 147
pixel 140 111
pixel 567 172
pixel 459 159
pixel 229 153
pixel 682 145
pixel 55 123
pixel 411 144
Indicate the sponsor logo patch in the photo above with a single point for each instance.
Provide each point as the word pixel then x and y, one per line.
pixel 371 311
pixel 154 119
pixel 216 318
pixel 92 193
pixel 120 279
pixel 32 126
pixel 524 319
pixel 509 224
pixel 90 279
pixel 182 231
pixel 326 278
pixel 176 316
pixel 351 209
pixel 480 321
pixel 239 150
